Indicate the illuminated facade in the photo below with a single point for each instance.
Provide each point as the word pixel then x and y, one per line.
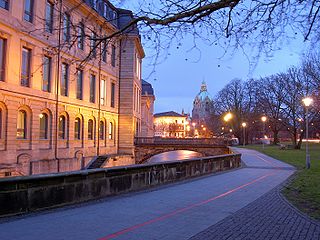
pixel 56 113
pixel 171 124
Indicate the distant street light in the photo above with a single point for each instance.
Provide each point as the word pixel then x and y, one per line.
pixel 263 119
pixel 307 102
pixel 244 133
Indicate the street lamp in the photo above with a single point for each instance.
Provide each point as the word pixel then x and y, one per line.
pixel 263 119
pixel 244 132
pixel 227 117
pixel 307 102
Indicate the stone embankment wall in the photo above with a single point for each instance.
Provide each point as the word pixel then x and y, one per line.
pixel 25 194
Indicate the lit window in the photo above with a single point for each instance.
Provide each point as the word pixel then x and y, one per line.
pixel 3 45
pixel 64 79
pixel 110 130
pixel 43 126
pixel 22 125
pixel 28 10
pixel 90 129
pixel 4 4
pixel 102 92
pixel 25 67
pixel 138 66
pixel 46 74
pixel 77 129
pixel 79 84
pixel 101 130
pixel 62 127
pixel 49 16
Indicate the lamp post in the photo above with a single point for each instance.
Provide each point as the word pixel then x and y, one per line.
pixel 263 119
pixel 307 102
pixel 244 133
pixel 227 117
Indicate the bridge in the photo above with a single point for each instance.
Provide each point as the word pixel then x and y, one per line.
pixel 148 147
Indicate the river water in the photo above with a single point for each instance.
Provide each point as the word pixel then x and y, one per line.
pixel 173 156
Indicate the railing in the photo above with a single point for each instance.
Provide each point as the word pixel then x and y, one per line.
pixel 184 141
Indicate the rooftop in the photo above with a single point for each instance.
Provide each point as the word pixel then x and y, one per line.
pixel 147 88
pixel 169 114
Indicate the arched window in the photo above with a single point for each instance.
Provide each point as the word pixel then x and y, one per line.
pixel 110 130
pixel 22 125
pixel 43 126
pixel 62 127
pixel 101 130
pixel 90 129
pixel 77 129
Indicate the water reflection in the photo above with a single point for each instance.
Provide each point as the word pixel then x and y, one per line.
pixel 173 156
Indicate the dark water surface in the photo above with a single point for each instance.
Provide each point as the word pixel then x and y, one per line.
pixel 173 156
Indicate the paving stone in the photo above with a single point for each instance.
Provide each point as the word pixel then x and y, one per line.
pixel 276 220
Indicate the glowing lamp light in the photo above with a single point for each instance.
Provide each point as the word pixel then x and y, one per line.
pixel 263 118
pixel 244 124
pixel 227 117
pixel 307 101
pixel 40 115
pixel 194 124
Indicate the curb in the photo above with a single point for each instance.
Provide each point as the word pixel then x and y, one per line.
pixel 290 205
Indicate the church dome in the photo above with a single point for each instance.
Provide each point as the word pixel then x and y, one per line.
pixel 202 105
pixel 203 95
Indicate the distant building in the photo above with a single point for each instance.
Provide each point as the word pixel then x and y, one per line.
pixel 147 108
pixel 170 124
pixel 202 106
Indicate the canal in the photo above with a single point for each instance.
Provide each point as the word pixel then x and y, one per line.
pixel 174 156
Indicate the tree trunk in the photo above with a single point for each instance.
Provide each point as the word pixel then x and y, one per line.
pixel 275 137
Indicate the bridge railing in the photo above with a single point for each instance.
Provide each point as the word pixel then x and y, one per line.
pixel 187 141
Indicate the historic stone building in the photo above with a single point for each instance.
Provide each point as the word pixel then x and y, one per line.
pixel 63 98
pixel 171 124
pixel 147 109
pixel 202 106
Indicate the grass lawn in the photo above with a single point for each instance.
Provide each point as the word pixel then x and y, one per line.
pixel 304 190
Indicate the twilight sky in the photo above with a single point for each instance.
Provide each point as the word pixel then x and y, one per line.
pixel 176 81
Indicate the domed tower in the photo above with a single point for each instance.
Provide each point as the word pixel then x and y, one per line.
pixel 202 105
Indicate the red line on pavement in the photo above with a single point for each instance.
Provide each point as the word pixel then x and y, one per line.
pixel 168 215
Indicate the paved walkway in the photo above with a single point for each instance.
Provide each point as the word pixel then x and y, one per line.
pixel 269 217
pixel 177 211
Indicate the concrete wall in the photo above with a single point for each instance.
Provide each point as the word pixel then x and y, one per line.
pixel 25 194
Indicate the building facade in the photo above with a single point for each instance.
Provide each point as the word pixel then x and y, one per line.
pixel 147 109
pixel 171 124
pixel 64 98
